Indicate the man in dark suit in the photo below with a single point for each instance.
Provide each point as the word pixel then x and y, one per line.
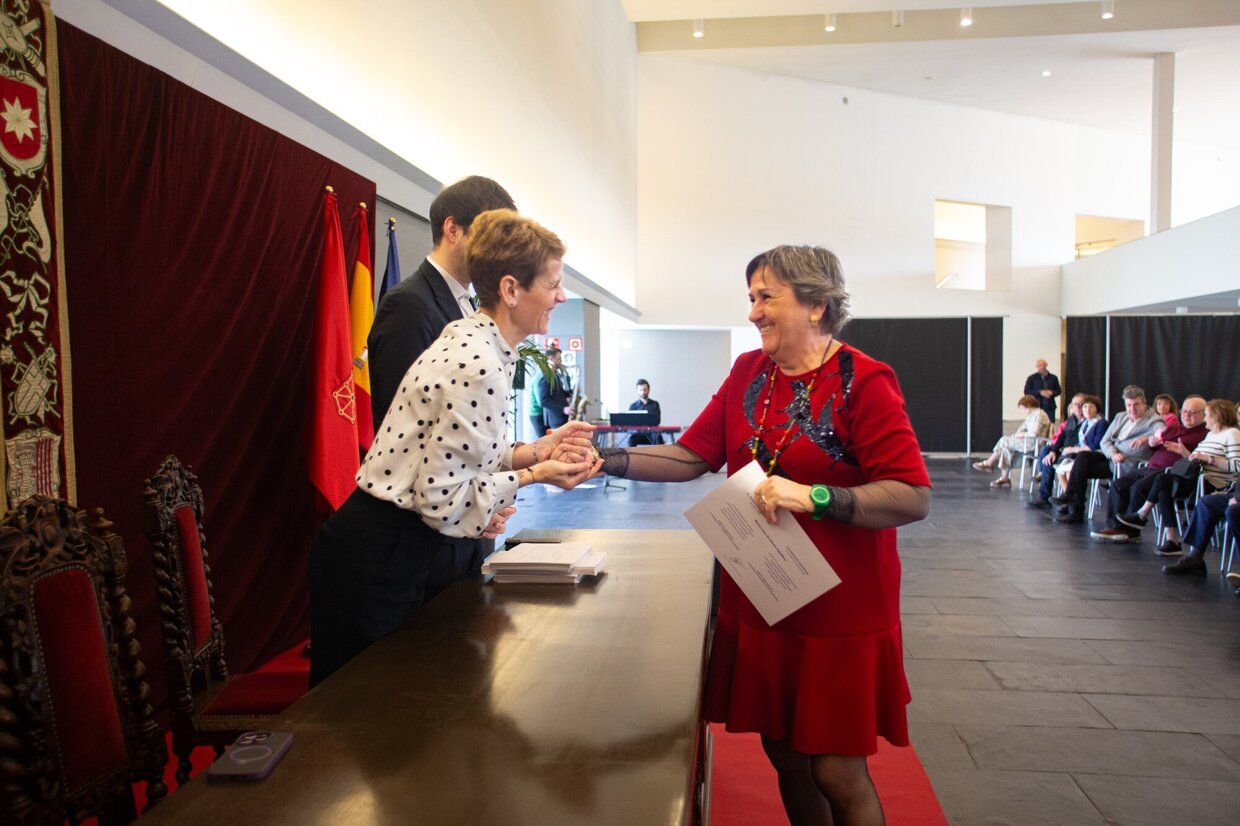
pixel 554 396
pixel 1043 385
pixel 654 415
pixel 414 312
pixel 1053 451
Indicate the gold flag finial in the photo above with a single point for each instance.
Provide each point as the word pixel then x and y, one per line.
pixel 329 188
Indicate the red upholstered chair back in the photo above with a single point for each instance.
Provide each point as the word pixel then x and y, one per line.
pixel 172 511
pixel 75 725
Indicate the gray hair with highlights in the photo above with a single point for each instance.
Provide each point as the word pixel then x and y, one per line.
pixel 815 276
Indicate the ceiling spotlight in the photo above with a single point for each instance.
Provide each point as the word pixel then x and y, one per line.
pixel 699 28
pixel 1046 73
pixel 829 24
pixel 1108 9
pixel 897 20
pixel 966 16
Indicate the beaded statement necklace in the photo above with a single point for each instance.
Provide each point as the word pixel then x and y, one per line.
pixel 766 409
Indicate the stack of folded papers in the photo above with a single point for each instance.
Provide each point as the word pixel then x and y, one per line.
pixel 560 563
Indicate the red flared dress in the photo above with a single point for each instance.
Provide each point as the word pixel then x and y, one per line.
pixel 829 678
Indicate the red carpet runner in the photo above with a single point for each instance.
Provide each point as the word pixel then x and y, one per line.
pixel 744 793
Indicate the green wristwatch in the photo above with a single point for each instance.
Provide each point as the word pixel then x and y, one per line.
pixel 820 495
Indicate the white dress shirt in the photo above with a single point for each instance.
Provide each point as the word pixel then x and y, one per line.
pixel 461 294
pixel 442 450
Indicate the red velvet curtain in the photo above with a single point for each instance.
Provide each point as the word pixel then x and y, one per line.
pixel 191 245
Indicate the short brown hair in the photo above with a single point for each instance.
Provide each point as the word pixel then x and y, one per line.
pixel 503 243
pixel 815 276
pixel 1027 401
pixel 464 201
pixel 1224 411
pixel 1094 400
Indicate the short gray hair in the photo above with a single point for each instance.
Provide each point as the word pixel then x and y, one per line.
pixel 815 276
pixel 1134 391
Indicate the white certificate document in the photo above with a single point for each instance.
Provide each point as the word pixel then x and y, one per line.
pixel 777 566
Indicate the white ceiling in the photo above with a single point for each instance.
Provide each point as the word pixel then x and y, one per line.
pixel 639 11
pixel 1102 80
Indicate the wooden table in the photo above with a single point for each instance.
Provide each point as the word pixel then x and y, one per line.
pixel 508 704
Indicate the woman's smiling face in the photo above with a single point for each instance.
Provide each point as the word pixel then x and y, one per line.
pixel 782 320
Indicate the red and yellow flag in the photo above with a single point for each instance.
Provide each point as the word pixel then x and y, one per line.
pixel 331 433
pixel 361 315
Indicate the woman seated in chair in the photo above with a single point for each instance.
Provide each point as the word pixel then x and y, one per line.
pixel 1165 406
pixel 1035 426
pixel 1089 435
pixel 1216 458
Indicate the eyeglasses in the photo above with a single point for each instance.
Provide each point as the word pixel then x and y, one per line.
pixel 1188 412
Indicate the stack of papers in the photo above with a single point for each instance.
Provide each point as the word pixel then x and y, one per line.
pixel 560 563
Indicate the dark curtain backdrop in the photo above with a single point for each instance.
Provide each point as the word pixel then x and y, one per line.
pixel 1085 358
pixel 1177 355
pixel 191 237
pixel 929 357
pixel 987 394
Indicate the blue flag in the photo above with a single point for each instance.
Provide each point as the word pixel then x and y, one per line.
pixel 391 272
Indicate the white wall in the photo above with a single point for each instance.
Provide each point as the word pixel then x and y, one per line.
pixel 540 95
pixel 732 162
pixel 684 368
pixel 1194 259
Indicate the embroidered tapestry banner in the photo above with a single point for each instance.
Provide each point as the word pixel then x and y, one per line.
pixel 35 409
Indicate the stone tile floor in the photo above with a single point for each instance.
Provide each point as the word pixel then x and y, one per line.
pixel 1055 680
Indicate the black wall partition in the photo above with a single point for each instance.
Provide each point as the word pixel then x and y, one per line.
pixel 986 377
pixel 1163 354
pixel 931 358
pixel 1085 362
pixel 1176 354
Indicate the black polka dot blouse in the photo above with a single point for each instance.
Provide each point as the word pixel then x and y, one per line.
pixel 442 449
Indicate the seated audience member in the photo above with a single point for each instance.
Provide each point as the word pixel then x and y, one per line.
pixel 1065 436
pixel 1127 492
pixel 1125 443
pixel 1217 459
pixel 1164 405
pixel 1210 509
pixel 1035 425
pixel 1043 385
pixel 654 414
pixel 1088 437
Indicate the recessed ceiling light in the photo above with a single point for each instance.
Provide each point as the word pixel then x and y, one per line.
pixel 699 28
pixel 1046 73
pixel 1108 9
pixel 829 25
pixel 966 16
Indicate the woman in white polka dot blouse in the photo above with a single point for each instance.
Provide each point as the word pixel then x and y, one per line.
pixel 441 472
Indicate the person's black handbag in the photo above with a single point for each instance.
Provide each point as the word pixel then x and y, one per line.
pixel 1186 469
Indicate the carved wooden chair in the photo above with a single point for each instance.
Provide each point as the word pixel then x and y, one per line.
pixel 208 706
pixel 76 727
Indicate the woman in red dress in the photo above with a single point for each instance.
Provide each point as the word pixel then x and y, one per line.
pixel 824 683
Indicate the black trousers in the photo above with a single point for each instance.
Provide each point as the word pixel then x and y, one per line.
pixel 1128 492
pixel 373 565
pixel 1087 465
pixel 1166 489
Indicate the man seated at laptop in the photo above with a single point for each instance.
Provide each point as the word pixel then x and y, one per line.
pixel 651 407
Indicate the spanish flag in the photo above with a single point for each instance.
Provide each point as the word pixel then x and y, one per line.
pixel 361 316
pixel 331 432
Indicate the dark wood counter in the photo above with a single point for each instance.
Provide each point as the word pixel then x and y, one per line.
pixel 505 704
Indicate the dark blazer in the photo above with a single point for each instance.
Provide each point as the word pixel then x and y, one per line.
pixel 1035 384
pixel 410 317
pixel 1067 436
pixel 554 397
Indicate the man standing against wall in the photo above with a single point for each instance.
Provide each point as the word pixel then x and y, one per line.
pixel 1043 385
pixel 414 312
pixel 554 395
